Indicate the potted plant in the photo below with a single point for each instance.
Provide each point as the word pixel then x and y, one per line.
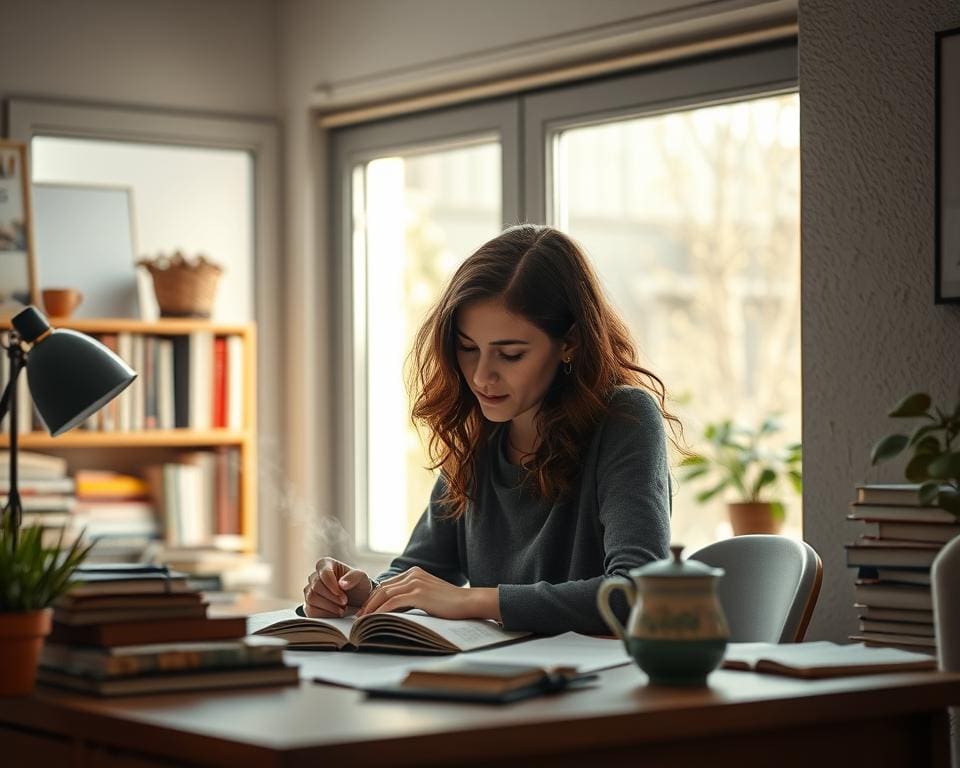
pixel 935 463
pixel 32 576
pixel 738 461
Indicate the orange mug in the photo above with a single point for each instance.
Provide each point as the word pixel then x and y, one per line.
pixel 61 302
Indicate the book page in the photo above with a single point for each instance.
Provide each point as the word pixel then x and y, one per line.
pixel 820 655
pixel 582 652
pixel 463 634
pixel 289 619
pixel 353 670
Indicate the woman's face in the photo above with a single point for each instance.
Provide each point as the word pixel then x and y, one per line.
pixel 508 362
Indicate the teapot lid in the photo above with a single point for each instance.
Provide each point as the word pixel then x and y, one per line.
pixel 677 567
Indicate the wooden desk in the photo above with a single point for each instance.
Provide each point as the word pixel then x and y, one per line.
pixel 742 719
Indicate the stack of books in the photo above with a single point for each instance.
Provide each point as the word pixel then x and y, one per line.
pixel 116 513
pixel 222 570
pixel 893 555
pixel 129 629
pixel 47 494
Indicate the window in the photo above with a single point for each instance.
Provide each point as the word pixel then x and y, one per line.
pixel 417 196
pixel 681 182
pixel 692 218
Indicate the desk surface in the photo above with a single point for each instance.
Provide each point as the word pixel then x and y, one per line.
pixel 299 725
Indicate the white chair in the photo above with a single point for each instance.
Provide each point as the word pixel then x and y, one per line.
pixel 770 586
pixel 945 583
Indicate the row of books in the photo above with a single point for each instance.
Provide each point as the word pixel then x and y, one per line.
pixel 25 410
pixel 198 496
pixel 192 499
pixel 192 381
pixel 141 629
pixel 185 514
pixel 893 555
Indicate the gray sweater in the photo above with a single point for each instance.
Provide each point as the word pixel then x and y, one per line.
pixel 549 559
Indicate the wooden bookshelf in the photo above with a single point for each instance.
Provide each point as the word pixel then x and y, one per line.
pixel 128 449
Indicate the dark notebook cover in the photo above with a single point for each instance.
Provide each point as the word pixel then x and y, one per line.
pixel 146 632
pixel 547 685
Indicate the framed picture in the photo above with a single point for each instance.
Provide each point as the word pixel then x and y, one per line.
pixel 86 241
pixel 18 278
pixel 947 166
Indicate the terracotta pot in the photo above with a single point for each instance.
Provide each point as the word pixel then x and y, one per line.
pixel 21 638
pixel 753 517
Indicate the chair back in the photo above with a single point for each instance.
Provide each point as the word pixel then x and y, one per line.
pixel 770 586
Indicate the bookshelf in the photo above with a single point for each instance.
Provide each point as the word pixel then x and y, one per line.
pixel 132 448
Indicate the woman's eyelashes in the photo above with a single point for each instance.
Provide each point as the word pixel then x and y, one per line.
pixel 503 355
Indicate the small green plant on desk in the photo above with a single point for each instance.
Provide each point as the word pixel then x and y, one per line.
pixel 935 461
pixel 32 576
pixel 738 461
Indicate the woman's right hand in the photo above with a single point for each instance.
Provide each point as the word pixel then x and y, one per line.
pixel 332 587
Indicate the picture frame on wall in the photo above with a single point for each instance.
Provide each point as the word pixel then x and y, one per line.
pixel 947 166
pixel 18 271
pixel 86 241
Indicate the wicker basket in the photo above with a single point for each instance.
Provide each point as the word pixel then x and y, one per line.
pixel 184 287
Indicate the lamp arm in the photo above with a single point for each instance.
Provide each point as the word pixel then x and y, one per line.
pixel 8 403
pixel 5 399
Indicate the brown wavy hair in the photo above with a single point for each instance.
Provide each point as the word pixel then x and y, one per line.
pixel 542 275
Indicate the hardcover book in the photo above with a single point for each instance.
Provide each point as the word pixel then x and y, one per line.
pixel 481 681
pixel 128 660
pixel 903 494
pixel 186 681
pixel 882 552
pixel 140 632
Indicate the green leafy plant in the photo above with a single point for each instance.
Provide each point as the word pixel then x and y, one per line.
pixel 935 461
pixel 739 461
pixel 32 576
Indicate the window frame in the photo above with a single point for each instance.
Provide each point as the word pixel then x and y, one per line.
pixel 349 148
pixel 537 117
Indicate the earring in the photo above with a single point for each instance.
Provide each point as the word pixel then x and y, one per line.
pixel 568 366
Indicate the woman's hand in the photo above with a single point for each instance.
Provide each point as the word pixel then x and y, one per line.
pixel 416 588
pixel 332 587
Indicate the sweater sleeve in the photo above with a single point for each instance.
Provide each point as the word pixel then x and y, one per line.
pixel 433 543
pixel 633 497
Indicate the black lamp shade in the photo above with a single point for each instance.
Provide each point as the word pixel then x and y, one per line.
pixel 72 376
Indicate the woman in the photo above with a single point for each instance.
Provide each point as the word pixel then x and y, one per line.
pixel 551 450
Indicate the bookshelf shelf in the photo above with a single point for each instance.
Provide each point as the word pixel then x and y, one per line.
pixel 129 443
pixel 159 438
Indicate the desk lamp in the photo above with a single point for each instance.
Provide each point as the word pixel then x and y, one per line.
pixel 70 375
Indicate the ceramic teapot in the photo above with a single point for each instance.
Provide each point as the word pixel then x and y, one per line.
pixel 676 632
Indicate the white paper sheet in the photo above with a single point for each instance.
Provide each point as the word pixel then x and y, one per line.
pixel 361 670
pixel 587 654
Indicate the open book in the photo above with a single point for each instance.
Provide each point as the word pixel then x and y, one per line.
pixel 410 632
pixel 822 659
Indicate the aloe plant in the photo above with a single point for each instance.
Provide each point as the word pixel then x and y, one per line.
pixel 935 460
pixel 32 576
pixel 739 461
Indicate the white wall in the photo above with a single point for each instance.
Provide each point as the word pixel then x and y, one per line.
pixel 211 55
pixel 871 332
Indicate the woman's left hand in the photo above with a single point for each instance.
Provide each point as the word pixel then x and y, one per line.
pixel 416 588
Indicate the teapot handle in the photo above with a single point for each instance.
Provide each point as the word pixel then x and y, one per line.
pixel 603 603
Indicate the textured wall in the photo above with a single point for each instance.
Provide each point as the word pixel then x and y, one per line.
pixel 871 331
pixel 210 56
